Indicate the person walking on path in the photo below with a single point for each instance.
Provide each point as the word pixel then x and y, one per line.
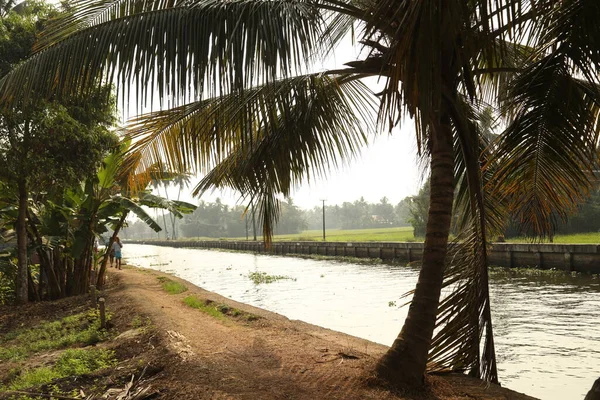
pixel 116 248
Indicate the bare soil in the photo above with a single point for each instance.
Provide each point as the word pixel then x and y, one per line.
pixel 184 353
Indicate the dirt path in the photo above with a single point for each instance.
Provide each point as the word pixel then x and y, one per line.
pixel 269 358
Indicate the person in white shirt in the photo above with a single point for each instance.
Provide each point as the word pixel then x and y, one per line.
pixel 116 249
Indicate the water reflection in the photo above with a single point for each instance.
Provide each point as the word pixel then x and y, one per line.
pixel 546 330
pixel 545 323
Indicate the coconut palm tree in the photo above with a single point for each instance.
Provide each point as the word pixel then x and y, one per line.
pixel 252 117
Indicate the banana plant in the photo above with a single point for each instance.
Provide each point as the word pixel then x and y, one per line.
pixel 125 191
pixel 64 228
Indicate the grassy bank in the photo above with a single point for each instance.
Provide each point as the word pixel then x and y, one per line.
pixel 400 234
pixel 576 238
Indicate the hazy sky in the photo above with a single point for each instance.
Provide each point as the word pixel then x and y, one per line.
pixel 387 168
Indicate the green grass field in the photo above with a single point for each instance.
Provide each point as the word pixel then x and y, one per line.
pixel 405 234
pixel 576 238
pixel 402 234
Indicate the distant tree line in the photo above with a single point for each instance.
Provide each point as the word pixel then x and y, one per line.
pixel 360 214
pixel 583 220
pixel 586 218
pixel 216 219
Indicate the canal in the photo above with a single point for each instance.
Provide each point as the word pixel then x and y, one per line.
pixel 546 323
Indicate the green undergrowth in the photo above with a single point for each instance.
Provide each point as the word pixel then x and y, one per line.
pixel 263 277
pixel 526 271
pixel 170 286
pixel 72 362
pixel 75 330
pixel 217 310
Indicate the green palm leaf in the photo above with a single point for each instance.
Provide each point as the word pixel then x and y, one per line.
pixel 175 207
pixel 131 205
pixel 178 48
pixel 571 28
pixel 304 131
pixel 547 152
pixel 298 110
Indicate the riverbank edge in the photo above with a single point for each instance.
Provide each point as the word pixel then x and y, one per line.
pixel 584 258
pixel 472 387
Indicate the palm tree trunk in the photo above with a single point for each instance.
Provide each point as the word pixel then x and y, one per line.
pixel 22 276
pixel 34 294
pixel 406 360
pixel 60 266
pixel 164 219
pixel 53 289
pixel 173 218
pixel 253 222
pixel 83 267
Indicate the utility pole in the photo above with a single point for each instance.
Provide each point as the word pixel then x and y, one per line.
pixel 323 200
pixel 253 222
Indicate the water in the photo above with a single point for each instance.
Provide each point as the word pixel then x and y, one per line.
pixel 546 326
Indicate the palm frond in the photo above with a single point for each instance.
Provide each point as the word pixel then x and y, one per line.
pixel 303 133
pixel 571 28
pixel 343 18
pixel 300 110
pixel 496 69
pixel 547 153
pixel 428 41
pixel 175 207
pixel 464 320
pixel 185 49
pixel 130 205
pixel 84 14
pixel 464 342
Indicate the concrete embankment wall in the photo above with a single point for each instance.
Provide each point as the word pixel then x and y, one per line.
pixel 568 257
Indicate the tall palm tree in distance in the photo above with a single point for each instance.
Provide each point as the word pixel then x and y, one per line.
pixel 251 116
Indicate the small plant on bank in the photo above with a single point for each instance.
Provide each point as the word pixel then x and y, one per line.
pixel 203 305
pixel 171 286
pixel 140 322
pixel 530 272
pixel 263 277
pixel 342 259
pixel 218 311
